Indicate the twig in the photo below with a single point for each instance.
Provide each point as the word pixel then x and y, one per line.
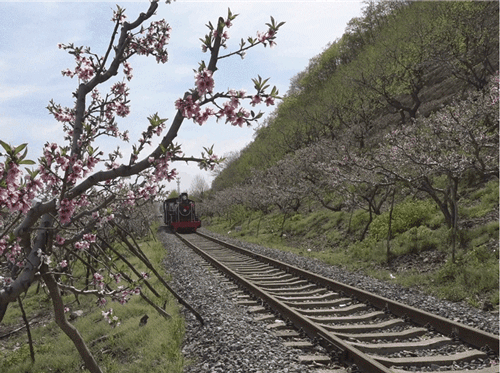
pixel 28 331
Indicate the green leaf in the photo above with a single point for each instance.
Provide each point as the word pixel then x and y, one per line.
pixel 6 146
pixel 20 148
pixel 27 161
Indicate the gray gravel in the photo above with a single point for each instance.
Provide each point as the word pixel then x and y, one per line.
pixel 231 341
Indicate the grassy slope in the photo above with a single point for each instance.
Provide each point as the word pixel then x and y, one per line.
pixel 155 347
pixel 420 249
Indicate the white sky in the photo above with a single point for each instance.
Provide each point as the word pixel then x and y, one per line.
pixel 31 63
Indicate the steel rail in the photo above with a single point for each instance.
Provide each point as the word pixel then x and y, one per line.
pixel 475 337
pixel 348 353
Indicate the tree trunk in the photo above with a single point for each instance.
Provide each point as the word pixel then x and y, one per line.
pixel 66 327
pixel 454 206
pixel 367 224
pixel 258 224
pixel 389 226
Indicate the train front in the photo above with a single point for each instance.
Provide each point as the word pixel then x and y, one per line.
pixel 180 214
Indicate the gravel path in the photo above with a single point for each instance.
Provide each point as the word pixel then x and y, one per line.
pixel 232 341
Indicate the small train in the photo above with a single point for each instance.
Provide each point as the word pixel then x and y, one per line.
pixel 179 214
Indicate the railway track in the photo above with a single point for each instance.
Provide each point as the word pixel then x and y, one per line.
pixel 374 333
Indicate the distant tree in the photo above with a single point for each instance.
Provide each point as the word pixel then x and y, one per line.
pixel 198 188
pixel 465 39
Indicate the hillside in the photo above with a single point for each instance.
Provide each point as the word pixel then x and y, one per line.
pixel 400 60
pixel 383 155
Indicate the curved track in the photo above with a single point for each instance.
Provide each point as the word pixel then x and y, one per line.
pixel 373 332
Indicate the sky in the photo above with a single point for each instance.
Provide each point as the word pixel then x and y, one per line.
pixel 31 65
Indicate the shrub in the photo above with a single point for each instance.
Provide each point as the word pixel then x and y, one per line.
pixel 488 201
pixel 406 215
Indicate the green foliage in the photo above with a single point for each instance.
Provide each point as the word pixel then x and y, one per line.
pixel 399 57
pixel 237 214
pixel 367 253
pixel 406 215
pixel 155 347
pixel 359 220
pixel 475 272
pixel 418 239
pixel 485 200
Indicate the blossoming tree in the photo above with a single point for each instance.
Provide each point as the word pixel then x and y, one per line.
pixel 458 139
pixel 59 212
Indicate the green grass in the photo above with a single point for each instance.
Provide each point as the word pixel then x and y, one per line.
pixel 154 347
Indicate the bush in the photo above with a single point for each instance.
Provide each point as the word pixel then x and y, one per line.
pixel 488 201
pixel 406 215
pixel 419 239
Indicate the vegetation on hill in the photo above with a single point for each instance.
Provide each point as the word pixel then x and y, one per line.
pixel 384 149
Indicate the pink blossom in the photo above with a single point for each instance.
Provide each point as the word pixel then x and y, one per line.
pixel 269 100
pixel 127 70
pixel 82 245
pixel 89 237
pixel 63 264
pixel 188 107
pixel 99 280
pixel 60 240
pixel 101 302
pixel 204 82
pixel 118 17
pixel 122 110
pixel 256 100
pixel 203 117
pixel 119 88
pixel 66 210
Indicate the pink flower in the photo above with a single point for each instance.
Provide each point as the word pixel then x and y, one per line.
pixel 203 117
pixel 101 302
pixel 63 264
pixel 204 82
pixel 122 110
pixel 188 107
pixel 99 280
pixel 89 237
pixel 256 100
pixel 82 245
pixel 127 70
pixel 66 210
pixel 60 240
pixel 269 100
